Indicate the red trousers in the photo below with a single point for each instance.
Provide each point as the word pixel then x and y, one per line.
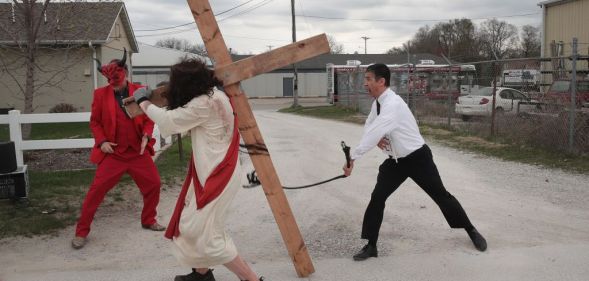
pixel 109 172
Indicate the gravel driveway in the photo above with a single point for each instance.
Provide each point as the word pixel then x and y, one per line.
pixel 536 221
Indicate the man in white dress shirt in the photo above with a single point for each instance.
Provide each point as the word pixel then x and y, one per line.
pixel 391 127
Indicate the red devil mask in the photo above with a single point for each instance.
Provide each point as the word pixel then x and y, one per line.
pixel 115 71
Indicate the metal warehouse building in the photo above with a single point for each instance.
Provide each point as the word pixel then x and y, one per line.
pixel 561 21
pixel 312 74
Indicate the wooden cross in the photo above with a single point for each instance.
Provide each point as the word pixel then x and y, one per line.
pixel 231 73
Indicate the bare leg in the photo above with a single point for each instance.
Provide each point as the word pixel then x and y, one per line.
pixel 202 270
pixel 241 269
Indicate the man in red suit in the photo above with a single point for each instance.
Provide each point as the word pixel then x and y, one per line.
pixel 121 146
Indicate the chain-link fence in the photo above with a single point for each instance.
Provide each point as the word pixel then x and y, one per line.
pixel 530 102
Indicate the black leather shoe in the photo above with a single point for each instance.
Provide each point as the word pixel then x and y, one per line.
pixel 366 252
pixel 477 239
pixel 195 276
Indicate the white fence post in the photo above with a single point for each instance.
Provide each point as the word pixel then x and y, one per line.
pixel 16 134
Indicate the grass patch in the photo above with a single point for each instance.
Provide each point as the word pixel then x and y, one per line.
pixel 77 130
pixel 506 150
pixel 327 112
pixel 55 198
pixel 4 132
pixel 456 138
pixel 169 164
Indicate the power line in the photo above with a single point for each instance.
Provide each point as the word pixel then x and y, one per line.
pixel 303 12
pixel 192 22
pixel 165 28
pixel 229 10
pixel 412 20
pixel 263 3
pixel 167 33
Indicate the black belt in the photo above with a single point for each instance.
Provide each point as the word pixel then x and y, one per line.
pixel 410 154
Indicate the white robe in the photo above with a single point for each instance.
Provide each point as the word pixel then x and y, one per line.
pixel 203 242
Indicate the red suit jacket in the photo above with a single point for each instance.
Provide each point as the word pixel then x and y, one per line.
pixel 103 120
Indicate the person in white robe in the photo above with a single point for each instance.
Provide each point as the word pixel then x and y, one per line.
pixel 197 228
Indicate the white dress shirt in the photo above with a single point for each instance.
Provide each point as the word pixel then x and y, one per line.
pixel 395 122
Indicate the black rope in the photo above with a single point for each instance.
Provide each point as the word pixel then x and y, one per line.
pixel 310 185
pixel 254 181
pixel 254 149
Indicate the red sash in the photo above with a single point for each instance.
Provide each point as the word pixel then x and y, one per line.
pixel 214 185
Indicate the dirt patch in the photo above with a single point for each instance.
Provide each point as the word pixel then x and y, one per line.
pixel 358 119
pixel 58 160
pixel 480 142
pixel 435 132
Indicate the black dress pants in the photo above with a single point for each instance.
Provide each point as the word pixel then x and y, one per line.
pixel 420 167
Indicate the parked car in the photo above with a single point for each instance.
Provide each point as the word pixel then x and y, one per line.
pixel 508 101
pixel 560 93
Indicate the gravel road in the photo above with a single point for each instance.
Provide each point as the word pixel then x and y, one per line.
pixel 536 220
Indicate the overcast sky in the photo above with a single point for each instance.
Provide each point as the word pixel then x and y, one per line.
pixel 258 25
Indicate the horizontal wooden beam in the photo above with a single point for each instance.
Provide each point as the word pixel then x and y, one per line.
pixel 277 58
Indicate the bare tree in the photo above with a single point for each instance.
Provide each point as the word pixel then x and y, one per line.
pixel 467 47
pixel 334 46
pixel 447 37
pixel 498 37
pixel 396 51
pixel 425 41
pixel 182 45
pixel 33 27
pixel 530 41
pixel 32 17
pixel 458 40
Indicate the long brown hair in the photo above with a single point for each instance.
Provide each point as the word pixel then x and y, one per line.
pixel 190 78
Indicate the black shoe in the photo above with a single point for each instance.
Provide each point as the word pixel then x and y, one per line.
pixel 261 279
pixel 366 252
pixel 195 276
pixel 477 239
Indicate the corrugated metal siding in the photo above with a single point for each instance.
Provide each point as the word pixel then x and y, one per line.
pixel 565 21
pixel 270 85
pixel 313 85
pixel 562 23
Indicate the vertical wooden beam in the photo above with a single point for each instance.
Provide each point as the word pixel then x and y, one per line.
pixel 217 51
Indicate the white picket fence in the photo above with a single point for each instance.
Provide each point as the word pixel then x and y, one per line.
pixel 14 119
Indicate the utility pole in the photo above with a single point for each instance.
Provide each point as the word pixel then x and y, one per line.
pixel 365 38
pixel 294 66
pixel 269 47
